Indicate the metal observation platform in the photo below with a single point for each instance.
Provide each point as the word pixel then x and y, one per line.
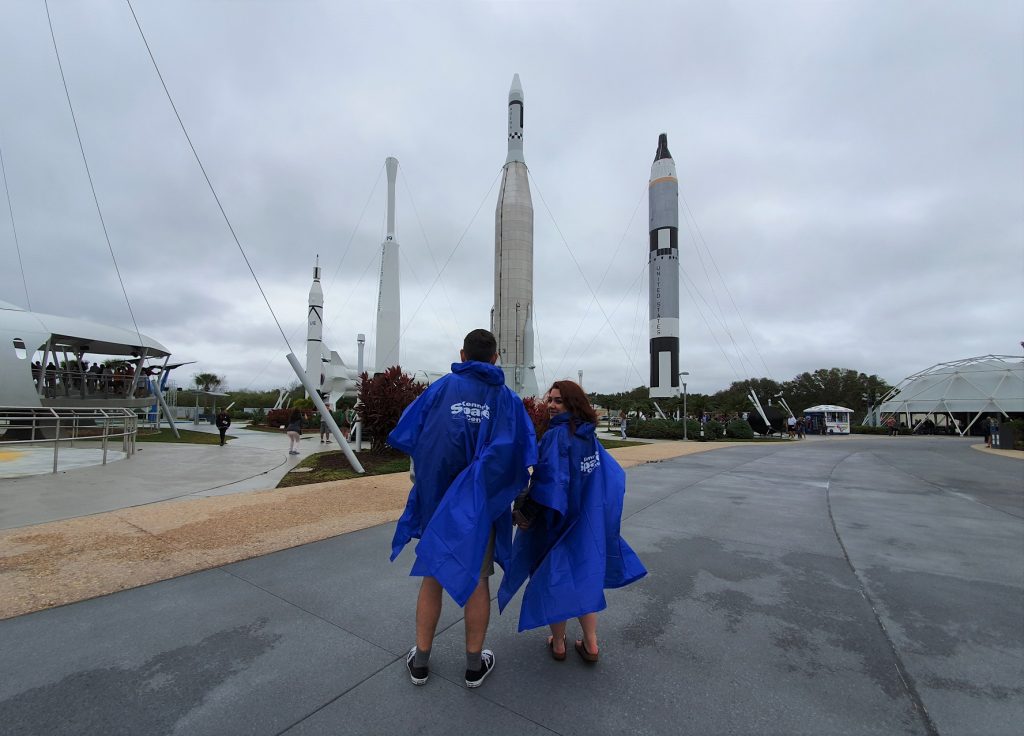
pixel 33 439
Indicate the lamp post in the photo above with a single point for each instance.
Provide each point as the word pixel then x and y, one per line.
pixel 361 342
pixel 684 373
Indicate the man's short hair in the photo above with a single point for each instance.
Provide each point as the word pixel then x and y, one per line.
pixel 480 345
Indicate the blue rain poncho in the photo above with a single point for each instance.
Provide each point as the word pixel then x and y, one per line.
pixel 472 443
pixel 572 550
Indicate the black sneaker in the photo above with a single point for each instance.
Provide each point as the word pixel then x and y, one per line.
pixel 476 679
pixel 418 675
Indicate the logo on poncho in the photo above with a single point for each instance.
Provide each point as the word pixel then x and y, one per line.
pixel 590 463
pixel 474 413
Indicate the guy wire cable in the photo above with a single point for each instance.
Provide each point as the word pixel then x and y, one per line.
pixel 625 294
pixel 209 183
pixel 426 241
pixel 580 269
pixel 618 249
pixel 716 311
pixel 452 253
pixel 88 173
pixel 14 230
pixel 436 312
pixel 725 285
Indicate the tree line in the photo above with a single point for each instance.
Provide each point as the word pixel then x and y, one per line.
pixel 841 386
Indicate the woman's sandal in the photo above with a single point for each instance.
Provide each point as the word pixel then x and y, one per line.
pixel 587 656
pixel 557 656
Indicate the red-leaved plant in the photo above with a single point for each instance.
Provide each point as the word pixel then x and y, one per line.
pixel 537 410
pixel 382 399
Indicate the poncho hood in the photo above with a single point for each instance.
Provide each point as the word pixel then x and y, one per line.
pixel 486 372
pixel 584 430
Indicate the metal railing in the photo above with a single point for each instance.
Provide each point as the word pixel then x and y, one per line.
pixel 63 426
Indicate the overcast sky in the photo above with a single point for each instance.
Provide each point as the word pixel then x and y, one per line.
pixel 853 176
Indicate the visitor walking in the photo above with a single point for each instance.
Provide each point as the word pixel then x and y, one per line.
pixel 223 421
pixel 294 430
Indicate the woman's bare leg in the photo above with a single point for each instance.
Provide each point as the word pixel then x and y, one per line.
pixel 558 637
pixel 589 624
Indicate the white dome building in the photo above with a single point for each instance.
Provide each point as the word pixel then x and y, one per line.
pixel 957 396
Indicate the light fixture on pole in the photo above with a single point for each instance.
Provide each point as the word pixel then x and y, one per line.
pixel 684 373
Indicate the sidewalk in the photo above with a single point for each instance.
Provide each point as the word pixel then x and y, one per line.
pixel 61 562
pixel 852 587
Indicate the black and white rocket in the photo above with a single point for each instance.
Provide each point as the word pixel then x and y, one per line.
pixel 663 265
pixel 389 303
pixel 512 314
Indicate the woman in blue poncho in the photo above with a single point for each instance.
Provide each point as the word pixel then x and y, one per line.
pixel 568 543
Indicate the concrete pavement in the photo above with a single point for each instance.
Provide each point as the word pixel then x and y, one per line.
pixel 157 472
pixel 867 585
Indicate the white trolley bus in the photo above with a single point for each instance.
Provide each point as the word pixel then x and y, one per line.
pixel 828 419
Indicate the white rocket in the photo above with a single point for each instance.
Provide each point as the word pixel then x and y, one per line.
pixel 389 304
pixel 315 330
pixel 663 265
pixel 512 314
pixel 325 369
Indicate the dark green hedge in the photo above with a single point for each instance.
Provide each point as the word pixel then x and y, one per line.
pixel 669 429
pixel 739 429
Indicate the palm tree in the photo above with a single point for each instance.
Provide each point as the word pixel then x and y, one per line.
pixel 207 381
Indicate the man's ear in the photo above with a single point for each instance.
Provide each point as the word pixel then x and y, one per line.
pixel 462 355
pixel 494 359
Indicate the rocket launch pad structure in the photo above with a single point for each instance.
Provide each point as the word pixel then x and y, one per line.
pixel 663 265
pixel 512 314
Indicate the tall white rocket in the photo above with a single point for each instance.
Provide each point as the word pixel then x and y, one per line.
pixel 512 314
pixel 389 304
pixel 663 265
pixel 315 330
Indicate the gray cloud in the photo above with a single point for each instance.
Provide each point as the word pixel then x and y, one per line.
pixel 854 171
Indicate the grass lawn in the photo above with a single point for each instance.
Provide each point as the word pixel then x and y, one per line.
pixel 188 436
pixel 612 444
pixel 333 465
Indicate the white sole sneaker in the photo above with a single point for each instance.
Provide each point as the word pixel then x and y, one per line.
pixel 487 662
pixel 424 671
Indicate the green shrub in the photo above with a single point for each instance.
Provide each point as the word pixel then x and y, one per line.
pixel 655 429
pixel 739 429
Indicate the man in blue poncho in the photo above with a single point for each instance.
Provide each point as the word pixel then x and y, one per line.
pixel 472 444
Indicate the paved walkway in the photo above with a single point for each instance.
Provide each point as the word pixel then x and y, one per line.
pixel 157 472
pixel 864 585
